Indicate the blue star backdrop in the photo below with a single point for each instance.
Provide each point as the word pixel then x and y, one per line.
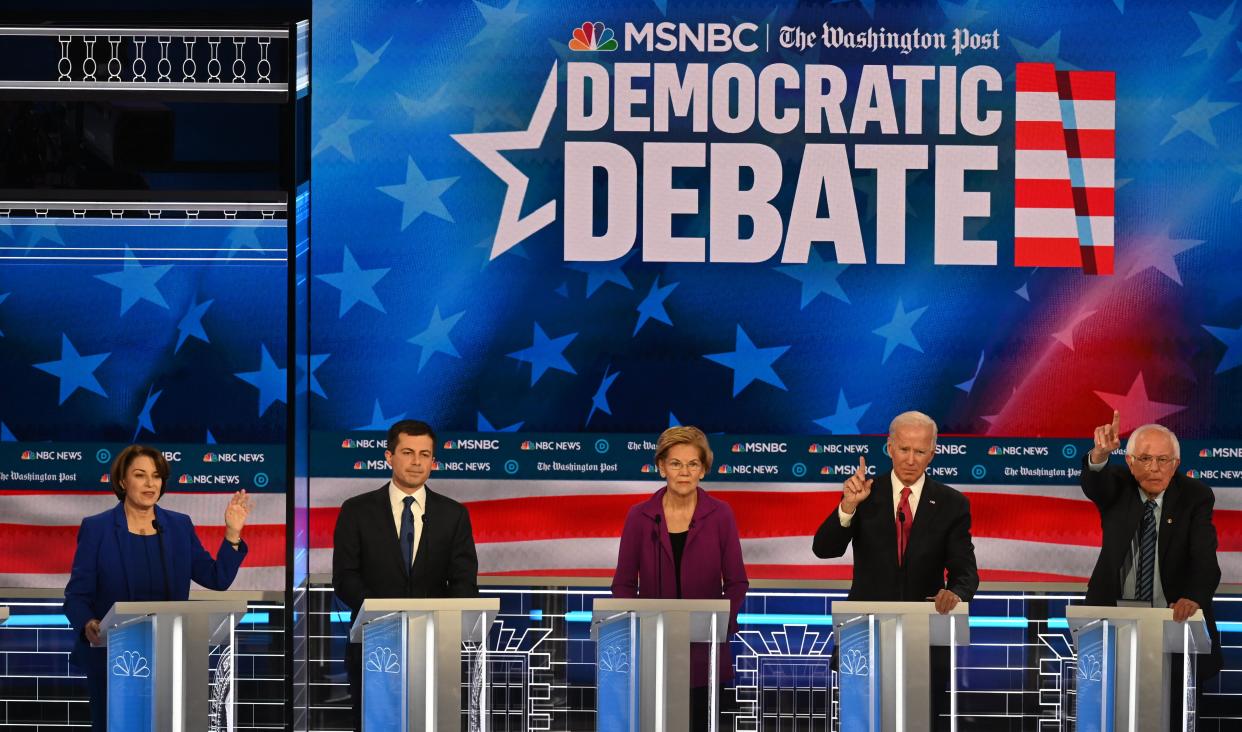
pixel 413 317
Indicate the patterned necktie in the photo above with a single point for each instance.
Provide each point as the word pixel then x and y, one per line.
pixel 904 519
pixel 1147 553
pixel 407 533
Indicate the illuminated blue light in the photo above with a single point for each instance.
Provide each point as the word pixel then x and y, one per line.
pixel 578 616
pixel 536 615
pixel 254 618
pixel 28 621
pixel 779 619
pixel 343 616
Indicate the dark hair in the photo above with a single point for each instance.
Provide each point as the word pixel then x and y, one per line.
pixel 127 457
pixel 411 427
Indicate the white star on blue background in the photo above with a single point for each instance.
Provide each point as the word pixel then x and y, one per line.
pixel 545 353
pixel 137 282
pixel 307 366
pixel 652 306
pixel 144 417
pixel 366 61
pixel 817 276
pixel 750 363
pixel 600 400
pixel 419 195
pixel 1197 120
pixel 192 324
pixel 1232 338
pixel 435 337
pixel 74 371
pixel 380 423
pixel 496 22
pixel 1212 31
pixel 356 284
pixel 845 420
pixel 336 136
pixel 44 232
pixel 599 273
pixel 485 425
pixel 899 331
pixel 269 380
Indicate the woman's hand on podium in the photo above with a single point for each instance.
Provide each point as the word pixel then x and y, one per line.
pixel 235 516
pixel 92 631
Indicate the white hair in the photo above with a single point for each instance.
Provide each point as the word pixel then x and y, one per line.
pixel 1130 443
pixel 912 419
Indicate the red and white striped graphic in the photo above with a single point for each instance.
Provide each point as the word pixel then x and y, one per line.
pixel 571 528
pixel 1065 153
pixel 39 533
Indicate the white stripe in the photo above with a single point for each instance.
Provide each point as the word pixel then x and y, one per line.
pixel 1050 222
pixel 1095 231
pixel 1093 114
pixel 1040 165
pixel 1091 172
pixel 68 509
pixel 1037 107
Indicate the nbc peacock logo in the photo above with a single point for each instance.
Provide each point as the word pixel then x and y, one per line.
pixel 593 37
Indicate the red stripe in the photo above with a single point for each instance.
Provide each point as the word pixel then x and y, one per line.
pixel 1090 143
pixel 1094 201
pixel 1038 135
pixel 1042 193
pixel 1097 260
pixel 1087 85
pixel 1046 251
pixel 1036 78
pixel 794 571
pixel 26 549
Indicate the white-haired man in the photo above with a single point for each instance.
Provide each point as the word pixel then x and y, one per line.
pixel 1159 543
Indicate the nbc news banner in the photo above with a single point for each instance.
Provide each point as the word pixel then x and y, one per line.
pixel 553 231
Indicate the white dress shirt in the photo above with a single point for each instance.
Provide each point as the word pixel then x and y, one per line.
pixel 396 497
pixel 916 490
pixel 1129 585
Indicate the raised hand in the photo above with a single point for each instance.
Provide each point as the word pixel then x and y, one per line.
pixel 1107 439
pixel 857 488
pixel 235 515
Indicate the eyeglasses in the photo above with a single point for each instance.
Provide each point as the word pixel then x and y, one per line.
pixel 675 466
pixel 1160 461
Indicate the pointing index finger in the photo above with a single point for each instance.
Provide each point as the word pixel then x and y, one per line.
pixel 1116 422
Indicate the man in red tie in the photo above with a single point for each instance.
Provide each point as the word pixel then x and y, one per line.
pixel 911 534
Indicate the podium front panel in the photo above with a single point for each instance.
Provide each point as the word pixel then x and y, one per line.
pixel 858 669
pixel 617 675
pixel 1097 663
pixel 132 671
pixel 384 675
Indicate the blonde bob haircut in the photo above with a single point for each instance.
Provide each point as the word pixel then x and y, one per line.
pixel 687 435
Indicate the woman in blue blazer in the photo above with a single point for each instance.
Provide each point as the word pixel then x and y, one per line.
pixel 138 551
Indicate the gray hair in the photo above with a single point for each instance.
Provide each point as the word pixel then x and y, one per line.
pixel 1130 443
pixel 913 419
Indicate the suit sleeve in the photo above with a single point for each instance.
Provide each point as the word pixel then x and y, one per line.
pixel 1101 486
pixel 832 538
pixel 347 558
pixel 463 576
pixel 80 591
pixel 218 573
pixel 963 579
pixel 625 579
pixel 734 569
pixel 1204 568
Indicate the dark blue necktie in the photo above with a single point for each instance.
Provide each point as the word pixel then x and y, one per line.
pixel 1147 553
pixel 407 533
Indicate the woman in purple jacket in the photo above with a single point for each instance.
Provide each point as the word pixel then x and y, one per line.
pixel 682 543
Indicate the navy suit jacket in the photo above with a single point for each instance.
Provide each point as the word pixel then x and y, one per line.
pixel 99 580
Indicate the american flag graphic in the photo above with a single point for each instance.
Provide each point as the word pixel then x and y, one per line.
pixel 1065 153
pixel 572 528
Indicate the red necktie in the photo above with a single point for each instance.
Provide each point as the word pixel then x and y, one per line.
pixel 903 519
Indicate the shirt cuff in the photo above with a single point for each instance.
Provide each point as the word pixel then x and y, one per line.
pixel 1096 467
pixel 846 518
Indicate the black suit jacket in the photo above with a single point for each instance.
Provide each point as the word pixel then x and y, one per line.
pixel 939 543
pixel 367 560
pixel 1185 544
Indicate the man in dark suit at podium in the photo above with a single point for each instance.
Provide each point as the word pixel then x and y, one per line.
pixel 401 540
pixel 911 534
pixel 1159 543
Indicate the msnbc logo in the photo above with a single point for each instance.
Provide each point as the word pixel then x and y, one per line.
pixel 347 443
pixel 209 457
pixel 183 479
pixel 648 468
pixel 826 470
pixel 358 465
pixel 815 448
pixel 993 450
pixel 593 37
pixel 105 478
pixel 725 470
pixel 526 445
pixel 1192 473
pixel 26 455
pixel 1202 453
pixel 737 447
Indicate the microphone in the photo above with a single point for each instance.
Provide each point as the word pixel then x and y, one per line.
pixel 159 535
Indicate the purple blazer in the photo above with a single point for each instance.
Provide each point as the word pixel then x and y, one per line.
pixel 711 566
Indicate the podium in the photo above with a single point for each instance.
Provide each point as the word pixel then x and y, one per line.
pixel 643 660
pixel 4 613
pixel 1125 666
pixel 158 655
pixel 411 661
pixel 883 662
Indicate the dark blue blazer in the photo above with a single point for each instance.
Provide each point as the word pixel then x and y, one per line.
pixel 99 580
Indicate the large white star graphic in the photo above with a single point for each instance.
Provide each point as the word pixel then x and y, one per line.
pixel 486 146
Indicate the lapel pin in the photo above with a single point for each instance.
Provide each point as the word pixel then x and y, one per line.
pixel 931 501
pixel 1169 520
